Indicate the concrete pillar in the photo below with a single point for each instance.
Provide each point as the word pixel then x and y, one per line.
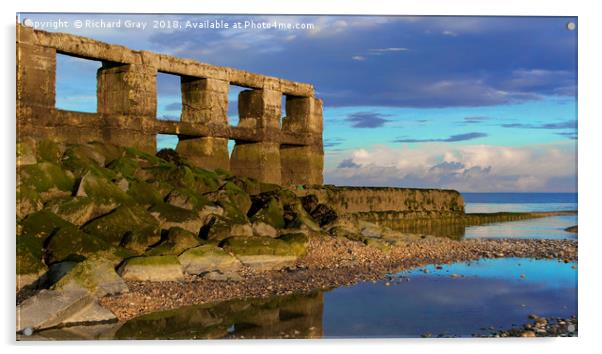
pixel 36 75
pixel 128 89
pixel 205 101
pixel 303 164
pixel 260 110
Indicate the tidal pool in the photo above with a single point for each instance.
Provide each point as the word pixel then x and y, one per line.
pixel 460 299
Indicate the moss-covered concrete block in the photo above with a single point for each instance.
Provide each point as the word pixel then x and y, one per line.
pixel 96 275
pixel 172 216
pixel 41 224
pixel 29 255
pixel 208 258
pixel 80 210
pixel 125 219
pixel 46 176
pixel 177 241
pixel 70 243
pixel 151 268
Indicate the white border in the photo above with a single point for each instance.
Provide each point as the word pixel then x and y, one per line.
pixel 589 156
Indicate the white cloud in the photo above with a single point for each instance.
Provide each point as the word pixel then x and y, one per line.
pixel 466 168
pixel 358 58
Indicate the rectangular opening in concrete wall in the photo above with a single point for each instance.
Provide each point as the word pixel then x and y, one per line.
pixel 282 109
pixel 167 141
pixel 233 117
pixel 169 97
pixel 76 83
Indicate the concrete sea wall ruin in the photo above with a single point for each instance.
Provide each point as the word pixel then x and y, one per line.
pixel 287 152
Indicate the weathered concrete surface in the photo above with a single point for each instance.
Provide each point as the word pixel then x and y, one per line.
pixel 409 201
pixel 127 108
pixel 49 308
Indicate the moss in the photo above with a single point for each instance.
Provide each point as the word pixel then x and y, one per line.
pixel 205 250
pixel 26 151
pixel 297 241
pixel 28 201
pixel 125 167
pixel 186 198
pixel 173 213
pixel 101 189
pixel 44 176
pixel 149 159
pixel 42 224
pixel 70 243
pixel 232 213
pixel 144 193
pixel 205 180
pixel 248 185
pixel 80 159
pixel 139 242
pixel 177 241
pixel 253 245
pixel 217 229
pixel 49 151
pixel 29 254
pixel 271 213
pixel 152 261
pixel 114 226
pixel 79 210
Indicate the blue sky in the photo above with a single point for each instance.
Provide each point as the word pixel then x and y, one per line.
pixel 470 103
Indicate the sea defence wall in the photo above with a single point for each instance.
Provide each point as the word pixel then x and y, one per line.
pixel 269 148
pixel 411 201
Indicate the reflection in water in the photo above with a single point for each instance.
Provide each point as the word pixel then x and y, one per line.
pixel 543 228
pixel 453 300
pixel 295 316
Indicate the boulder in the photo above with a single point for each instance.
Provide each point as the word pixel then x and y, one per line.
pixel 151 268
pixel 186 199
pixel 114 226
pixel 267 209
pixel 297 218
pixel 309 202
pixel 172 216
pixel 219 228
pixel 144 193
pixel 231 193
pixel 139 242
pixel 46 178
pixel 80 210
pixel 208 258
pixel 96 275
pixel 177 241
pixel 29 255
pixel 41 224
pixel 264 230
pixel 100 189
pixel 261 253
pixel 28 201
pixel 323 214
pixel 70 243
pixel 49 308
pixel 90 315
pixel 26 152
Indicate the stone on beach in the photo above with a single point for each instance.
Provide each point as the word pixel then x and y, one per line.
pixel 208 258
pixel 151 268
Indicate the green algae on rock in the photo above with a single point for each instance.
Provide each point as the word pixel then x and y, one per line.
pixel 115 225
pixel 151 268
pixel 208 258
pixel 177 241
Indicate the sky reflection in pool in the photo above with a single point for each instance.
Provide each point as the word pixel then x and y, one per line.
pixel 540 228
pixel 490 293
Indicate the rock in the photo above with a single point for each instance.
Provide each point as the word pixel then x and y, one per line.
pixel 41 224
pixel 49 308
pixel 69 243
pixel 297 218
pixel 324 215
pixel 171 216
pixel 144 193
pixel 151 268
pixel 89 315
pixel 46 177
pixel 29 256
pixel 186 199
pixel 139 242
pixel 28 201
pixel 125 219
pixel 208 258
pixel 265 230
pixel 229 192
pixel 528 334
pixel 80 210
pixel 177 241
pixel 219 228
pixel 298 242
pixel 267 208
pixel 263 253
pixel 378 244
pixel 100 189
pixel 370 230
pixel 26 152
pixel 170 155
pixel 309 202
pixel 96 275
